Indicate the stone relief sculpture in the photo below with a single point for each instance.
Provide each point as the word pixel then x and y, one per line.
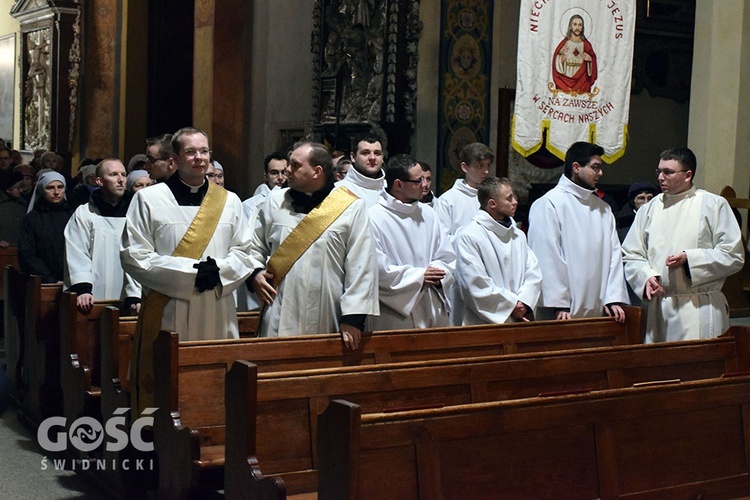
pixel 37 90
pixel 359 41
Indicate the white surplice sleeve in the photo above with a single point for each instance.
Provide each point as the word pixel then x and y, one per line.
pixel 726 255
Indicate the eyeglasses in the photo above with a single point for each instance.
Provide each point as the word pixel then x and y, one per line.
pixel 195 152
pixel 416 181
pixel 153 159
pixel 596 167
pixel 667 172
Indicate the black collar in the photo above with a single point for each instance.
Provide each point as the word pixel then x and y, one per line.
pixel 304 203
pixel 182 192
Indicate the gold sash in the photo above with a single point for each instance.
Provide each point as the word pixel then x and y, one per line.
pixel 307 231
pixel 192 245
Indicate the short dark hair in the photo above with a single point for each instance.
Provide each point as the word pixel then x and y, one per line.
pixel 398 168
pixel 488 189
pixel 319 155
pixel 425 166
pixel 370 138
pixel 581 153
pixel 276 155
pixel 176 144
pixel 476 151
pixel 164 141
pixel 684 156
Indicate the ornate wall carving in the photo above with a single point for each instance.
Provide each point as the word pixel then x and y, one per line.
pixel 37 89
pixel 47 35
pixel 365 57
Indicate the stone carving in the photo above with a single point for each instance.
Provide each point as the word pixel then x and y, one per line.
pixel 37 90
pixel 74 76
pixel 357 47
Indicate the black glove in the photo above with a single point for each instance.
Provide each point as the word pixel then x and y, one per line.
pixel 208 275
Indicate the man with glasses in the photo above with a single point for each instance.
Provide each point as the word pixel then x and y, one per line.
pixel 159 162
pixel 573 234
pixel 415 258
pixel 680 248
pixel 186 242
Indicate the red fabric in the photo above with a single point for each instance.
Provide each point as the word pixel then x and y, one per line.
pixel 581 81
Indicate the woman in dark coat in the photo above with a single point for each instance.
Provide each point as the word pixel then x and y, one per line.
pixel 41 246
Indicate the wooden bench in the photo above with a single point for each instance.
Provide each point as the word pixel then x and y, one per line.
pixel 8 257
pixel 686 440
pixel 288 402
pixel 41 363
pixel 14 319
pixel 189 376
pixel 80 363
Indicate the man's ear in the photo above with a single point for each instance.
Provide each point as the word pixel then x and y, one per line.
pixel 99 182
pixel 576 167
pixel 464 167
pixel 318 170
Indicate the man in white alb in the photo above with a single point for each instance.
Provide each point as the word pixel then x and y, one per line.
pixel 415 258
pixel 456 207
pixel 314 257
pixel 186 242
pixel 366 178
pixel 497 274
pixel 680 248
pixel 572 232
pixel 92 243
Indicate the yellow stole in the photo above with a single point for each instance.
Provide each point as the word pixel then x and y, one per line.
pixel 307 231
pixel 192 245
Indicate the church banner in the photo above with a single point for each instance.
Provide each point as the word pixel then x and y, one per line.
pixel 575 60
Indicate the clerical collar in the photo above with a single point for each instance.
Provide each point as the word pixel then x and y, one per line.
pixel 671 198
pixel 358 179
pixel 304 203
pixel 500 228
pixel 398 206
pixel 107 209
pixel 571 187
pixel 191 196
pixel 462 186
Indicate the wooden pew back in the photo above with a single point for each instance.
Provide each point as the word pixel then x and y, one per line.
pixel 42 350
pixel 189 376
pixel 673 441
pixel 15 327
pixel 116 335
pixel 289 402
pixel 80 363
pixel 8 257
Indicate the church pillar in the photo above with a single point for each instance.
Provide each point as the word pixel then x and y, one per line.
pixel 719 101
pixel 220 82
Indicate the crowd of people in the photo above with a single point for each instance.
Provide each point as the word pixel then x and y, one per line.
pixel 353 243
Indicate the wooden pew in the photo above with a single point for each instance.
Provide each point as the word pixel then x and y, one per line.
pixel 248 323
pixel 15 326
pixel 288 402
pixel 189 376
pixel 41 362
pixel 116 334
pixel 685 440
pixel 80 364
pixel 8 257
